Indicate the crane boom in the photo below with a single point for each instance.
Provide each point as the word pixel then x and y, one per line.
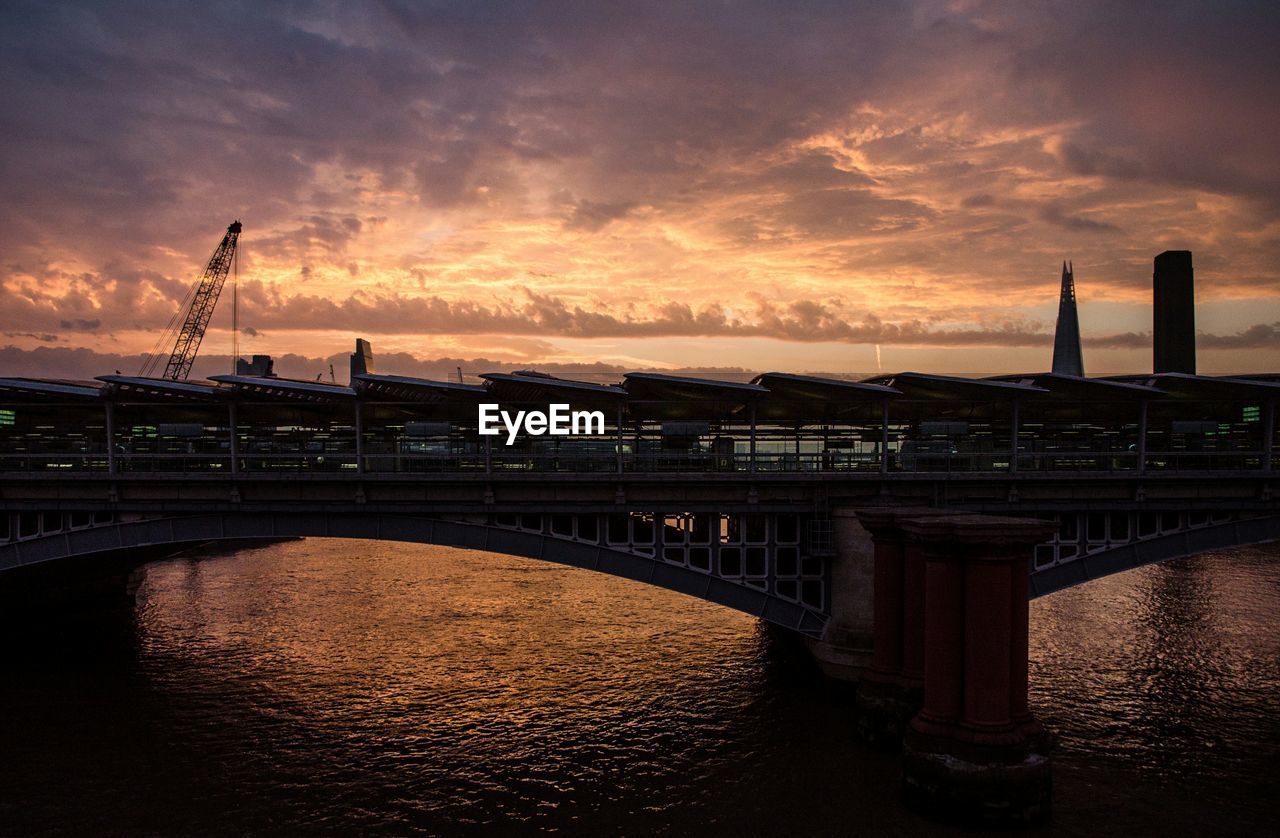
pixel 201 308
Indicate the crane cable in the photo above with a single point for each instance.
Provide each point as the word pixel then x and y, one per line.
pixel 152 358
pixel 235 309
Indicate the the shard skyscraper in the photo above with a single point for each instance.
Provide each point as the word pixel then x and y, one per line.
pixel 1067 357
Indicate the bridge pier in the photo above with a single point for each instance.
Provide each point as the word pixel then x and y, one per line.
pixel 845 650
pixel 891 690
pixel 974 751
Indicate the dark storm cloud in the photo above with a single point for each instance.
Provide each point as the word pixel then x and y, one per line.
pixel 85 364
pixel 1056 215
pixel 1172 92
pixel 1257 336
pixel 128 126
pixel 594 215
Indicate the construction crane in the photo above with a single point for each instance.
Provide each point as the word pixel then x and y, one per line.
pixel 198 312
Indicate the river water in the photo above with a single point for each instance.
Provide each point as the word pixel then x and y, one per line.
pixel 343 687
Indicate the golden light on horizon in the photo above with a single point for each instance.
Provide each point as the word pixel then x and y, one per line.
pixel 557 211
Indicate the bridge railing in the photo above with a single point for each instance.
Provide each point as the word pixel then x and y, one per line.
pixel 499 461
pixel 53 462
pixel 1205 461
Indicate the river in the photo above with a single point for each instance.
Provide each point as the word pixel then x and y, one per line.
pixel 338 687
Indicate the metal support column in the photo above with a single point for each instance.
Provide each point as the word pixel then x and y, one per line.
pixel 111 437
pixel 359 436
pixel 1269 434
pixel 618 435
pixel 1142 437
pixel 233 419
pixel 752 466
pixel 884 436
pixel 1013 439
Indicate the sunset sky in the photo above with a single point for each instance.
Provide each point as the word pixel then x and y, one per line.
pixel 835 187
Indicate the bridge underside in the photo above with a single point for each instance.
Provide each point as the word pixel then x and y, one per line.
pixel 775 565
pixel 751 596
pixel 1147 539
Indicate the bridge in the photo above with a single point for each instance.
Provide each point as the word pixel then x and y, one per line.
pixel 898 523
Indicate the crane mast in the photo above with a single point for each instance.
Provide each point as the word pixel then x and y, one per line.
pixel 201 308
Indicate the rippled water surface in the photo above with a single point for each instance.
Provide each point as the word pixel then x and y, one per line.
pixel 345 686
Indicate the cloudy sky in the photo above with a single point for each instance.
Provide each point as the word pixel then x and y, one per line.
pixel 838 187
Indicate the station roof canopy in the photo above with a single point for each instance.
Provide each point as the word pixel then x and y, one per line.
pixel 286 389
pixel 51 389
pixel 1259 376
pixel 800 397
pixel 528 386
pixel 1080 389
pixel 162 389
pixel 787 385
pixel 660 396
pixel 422 390
pixel 918 386
pixel 1204 387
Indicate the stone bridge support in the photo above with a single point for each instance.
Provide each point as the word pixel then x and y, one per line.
pixel 891 690
pixel 845 650
pixel 948 669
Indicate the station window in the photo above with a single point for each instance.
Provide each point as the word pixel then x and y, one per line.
pixel 8 418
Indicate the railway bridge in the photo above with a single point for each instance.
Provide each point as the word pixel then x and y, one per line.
pixel 899 524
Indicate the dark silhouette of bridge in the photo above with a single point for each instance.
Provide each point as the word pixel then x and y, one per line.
pixel 899 523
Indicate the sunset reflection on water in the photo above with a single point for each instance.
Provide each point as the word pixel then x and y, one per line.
pixel 348 685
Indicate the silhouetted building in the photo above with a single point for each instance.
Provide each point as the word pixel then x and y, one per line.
pixel 1068 359
pixel 1174 304
pixel 261 366
pixel 361 359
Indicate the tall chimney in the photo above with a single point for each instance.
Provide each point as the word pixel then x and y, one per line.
pixel 1174 304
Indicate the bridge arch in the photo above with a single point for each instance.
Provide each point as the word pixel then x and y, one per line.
pixel 1190 539
pixel 240 526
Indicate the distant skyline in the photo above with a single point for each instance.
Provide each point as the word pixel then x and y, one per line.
pixel 805 187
